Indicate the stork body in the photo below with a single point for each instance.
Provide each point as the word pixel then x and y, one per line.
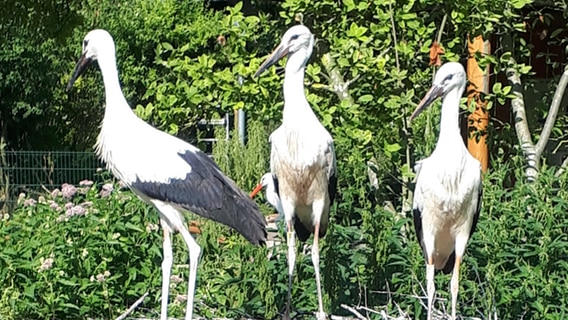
pixel 302 157
pixel 165 171
pixel 447 197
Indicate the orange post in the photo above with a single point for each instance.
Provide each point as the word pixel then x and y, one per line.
pixel 478 120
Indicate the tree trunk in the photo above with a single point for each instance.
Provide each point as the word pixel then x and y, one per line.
pixel 478 120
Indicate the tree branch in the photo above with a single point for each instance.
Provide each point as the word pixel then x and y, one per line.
pixel 355 312
pixel 552 113
pixel 132 307
pixel 520 116
pixel 337 83
pixel 562 168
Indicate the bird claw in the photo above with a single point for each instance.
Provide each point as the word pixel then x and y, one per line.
pixel 321 316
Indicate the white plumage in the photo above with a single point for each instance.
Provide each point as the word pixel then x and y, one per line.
pixel 447 197
pixel 270 183
pixel 302 156
pixel 165 171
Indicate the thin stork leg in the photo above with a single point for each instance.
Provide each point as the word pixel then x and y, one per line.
pixel 315 260
pixel 194 253
pixel 455 285
pixel 430 287
pixel 291 241
pixel 166 268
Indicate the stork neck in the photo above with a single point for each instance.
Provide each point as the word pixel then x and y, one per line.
pixel 296 105
pixel 114 97
pixel 449 122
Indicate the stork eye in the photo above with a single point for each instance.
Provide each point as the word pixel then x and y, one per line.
pixel 294 37
pixel 85 43
pixel 448 77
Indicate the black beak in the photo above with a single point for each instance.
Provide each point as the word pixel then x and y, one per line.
pixel 82 64
pixel 276 55
pixel 434 93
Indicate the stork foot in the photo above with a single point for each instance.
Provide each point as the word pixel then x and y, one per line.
pixel 321 316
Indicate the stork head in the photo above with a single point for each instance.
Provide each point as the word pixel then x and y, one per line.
pixel 298 40
pixel 450 76
pixel 96 43
pixel 264 181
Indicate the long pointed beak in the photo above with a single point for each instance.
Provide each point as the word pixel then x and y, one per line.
pixel 434 93
pixel 81 65
pixel 278 53
pixel 256 190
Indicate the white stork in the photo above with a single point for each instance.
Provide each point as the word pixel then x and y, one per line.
pixel 302 156
pixel 269 181
pixel 164 171
pixel 447 197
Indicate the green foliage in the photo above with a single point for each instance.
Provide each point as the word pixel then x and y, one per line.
pixel 78 256
pixel 181 62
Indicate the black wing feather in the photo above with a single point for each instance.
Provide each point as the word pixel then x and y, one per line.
pixel 477 211
pixel 275 179
pixel 417 215
pixel 332 188
pixel 206 191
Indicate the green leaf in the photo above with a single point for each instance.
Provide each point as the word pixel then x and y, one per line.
pixel 167 46
pixel 365 98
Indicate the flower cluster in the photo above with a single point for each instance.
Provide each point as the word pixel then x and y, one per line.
pixel 46 264
pixel 174 280
pixel 101 277
pixel 30 202
pixel 68 190
pixel 85 183
pixel 180 298
pixel 152 227
pixel 106 190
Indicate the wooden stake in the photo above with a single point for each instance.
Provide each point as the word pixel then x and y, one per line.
pixel 479 119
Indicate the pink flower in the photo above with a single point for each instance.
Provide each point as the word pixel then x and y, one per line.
pixel 176 279
pixel 30 202
pixel 180 298
pixel 75 211
pixel 86 183
pixel 54 205
pixel 106 190
pixel 55 193
pixel 68 190
pixel 78 211
pixel 46 264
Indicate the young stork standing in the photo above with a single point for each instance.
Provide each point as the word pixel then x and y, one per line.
pixel 164 171
pixel 447 197
pixel 302 156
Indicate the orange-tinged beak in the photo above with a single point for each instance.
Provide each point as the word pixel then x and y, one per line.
pixel 434 93
pixel 279 52
pixel 256 190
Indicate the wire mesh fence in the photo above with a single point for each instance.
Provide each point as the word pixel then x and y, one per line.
pixel 39 171
pixel 36 169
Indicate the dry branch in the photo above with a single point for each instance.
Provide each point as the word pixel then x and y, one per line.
pixel 520 116
pixel 132 307
pixel 336 82
pixel 552 113
pixel 352 310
